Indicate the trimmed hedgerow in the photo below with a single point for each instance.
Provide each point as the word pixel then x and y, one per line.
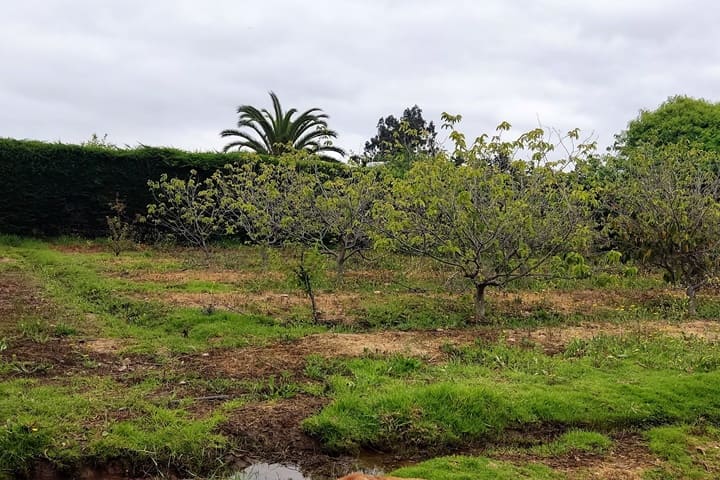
pixel 55 189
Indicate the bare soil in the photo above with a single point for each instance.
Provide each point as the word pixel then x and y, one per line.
pixel 577 301
pixel 19 298
pixel 555 339
pixel 204 275
pixel 629 459
pixel 274 425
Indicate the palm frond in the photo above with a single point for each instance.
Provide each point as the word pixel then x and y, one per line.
pixel 247 141
pixel 273 131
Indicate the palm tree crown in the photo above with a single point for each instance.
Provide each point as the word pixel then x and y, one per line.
pixel 274 134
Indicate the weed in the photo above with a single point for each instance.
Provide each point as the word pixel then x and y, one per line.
pixel 120 231
pixel 64 330
pixel 573 442
pixel 273 387
pixel 30 368
pixel 36 330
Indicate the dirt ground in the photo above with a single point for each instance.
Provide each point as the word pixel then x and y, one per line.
pixel 184 276
pixel 19 299
pixel 271 430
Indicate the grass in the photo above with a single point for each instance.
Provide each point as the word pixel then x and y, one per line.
pixel 84 419
pixel 412 312
pixel 574 442
pixel 475 468
pixel 500 388
pixel 689 451
pixel 149 326
pixel 162 436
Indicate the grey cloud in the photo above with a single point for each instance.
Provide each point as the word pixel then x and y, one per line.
pixel 173 72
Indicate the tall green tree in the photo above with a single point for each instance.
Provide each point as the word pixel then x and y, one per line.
pixel 678 119
pixel 278 132
pixel 400 141
pixel 665 207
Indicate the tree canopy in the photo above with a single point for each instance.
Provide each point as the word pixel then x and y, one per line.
pixel 404 138
pixel 666 213
pixel 491 225
pixel 678 119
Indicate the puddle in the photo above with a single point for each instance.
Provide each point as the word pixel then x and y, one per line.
pixel 270 471
pixel 279 471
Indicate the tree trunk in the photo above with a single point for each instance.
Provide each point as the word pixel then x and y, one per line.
pixel 692 302
pixel 313 305
pixel 480 303
pixel 265 257
pixel 207 252
pixel 340 265
pixel 306 282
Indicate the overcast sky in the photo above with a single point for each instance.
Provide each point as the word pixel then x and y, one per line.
pixel 172 72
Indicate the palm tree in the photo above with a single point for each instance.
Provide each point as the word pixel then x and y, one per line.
pixel 263 132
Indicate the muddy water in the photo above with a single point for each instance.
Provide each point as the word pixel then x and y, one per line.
pixel 278 471
pixel 270 471
pixel 376 464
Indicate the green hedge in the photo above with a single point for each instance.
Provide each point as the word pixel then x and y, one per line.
pixel 52 189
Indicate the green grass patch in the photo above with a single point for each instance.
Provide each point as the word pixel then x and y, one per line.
pixel 43 420
pixel 162 436
pixel 689 451
pixel 97 418
pixel 652 350
pixel 476 399
pixel 476 468
pixel 573 442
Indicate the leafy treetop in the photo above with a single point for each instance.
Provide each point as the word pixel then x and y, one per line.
pixel 678 119
pixel 403 138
